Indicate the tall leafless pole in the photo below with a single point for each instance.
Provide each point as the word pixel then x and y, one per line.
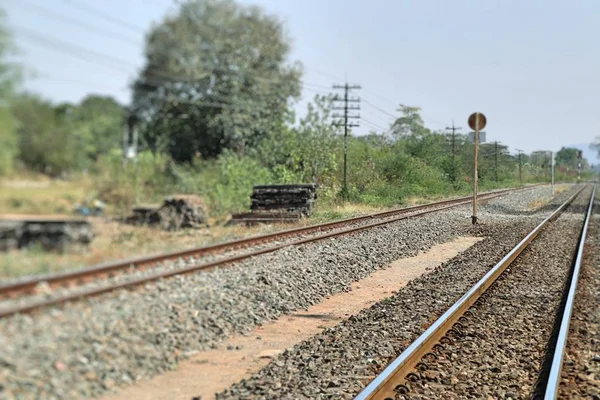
pixel 520 166
pixel 496 161
pixel 453 138
pixel 346 117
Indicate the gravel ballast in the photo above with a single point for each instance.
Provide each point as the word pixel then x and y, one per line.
pixel 339 362
pixel 87 348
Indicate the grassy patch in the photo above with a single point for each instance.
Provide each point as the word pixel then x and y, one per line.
pixel 50 197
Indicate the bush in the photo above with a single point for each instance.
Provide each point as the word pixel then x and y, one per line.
pixel 226 183
pixel 123 184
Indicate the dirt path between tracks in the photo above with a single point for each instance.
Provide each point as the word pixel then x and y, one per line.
pixel 209 372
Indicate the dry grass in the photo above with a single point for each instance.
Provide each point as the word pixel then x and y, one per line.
pixel 41 196
pixel 539 203
pixel 560 188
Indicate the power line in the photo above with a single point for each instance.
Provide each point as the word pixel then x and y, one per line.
pixel 77 82
pixel 106 17
pixel 379 109
pixel 47 12
pixel 113 59
pixel 125 24
pixel 74 49
pixel 85 55
pixel 376 119
pixel 314 85
pixel 395 104
pixel 373 124
pixel 81 52
pixel 70 49
pixel 327 74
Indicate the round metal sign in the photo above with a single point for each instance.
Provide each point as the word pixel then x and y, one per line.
pixel 475 119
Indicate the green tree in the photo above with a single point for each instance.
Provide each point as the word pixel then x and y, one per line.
pixel 9 78
pixel 567 157
pixel 418 141
pixel 595 145
pixel 97 127
pixel 495 162
pixel 216 77
pixel 45 144
pixel 306 153
pixel 410 122
pixel 317 140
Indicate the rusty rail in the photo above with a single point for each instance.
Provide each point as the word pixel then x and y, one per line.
pixel 15 288
pixel 21 288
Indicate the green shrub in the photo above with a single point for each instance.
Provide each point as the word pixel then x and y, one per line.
pixel 123 184
pixel 226 183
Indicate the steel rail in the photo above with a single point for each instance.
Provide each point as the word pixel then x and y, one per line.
pixel 217 263
pixel 384 384
pixel 19 287
pixel 554 377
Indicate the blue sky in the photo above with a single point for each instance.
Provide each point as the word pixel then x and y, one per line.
pixel 530 66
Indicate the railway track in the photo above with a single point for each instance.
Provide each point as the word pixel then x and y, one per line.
pixel 218 255
pixel 449 356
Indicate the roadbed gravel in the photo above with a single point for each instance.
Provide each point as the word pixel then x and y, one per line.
pixel 87 348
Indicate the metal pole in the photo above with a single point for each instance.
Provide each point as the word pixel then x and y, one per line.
pixel 578 165
pixel 476 152
pixel 454 129
pixel 345 189
pixel 552 166
pixel 346 117
pixel 496 161
pixel 453 154
pixel 520 167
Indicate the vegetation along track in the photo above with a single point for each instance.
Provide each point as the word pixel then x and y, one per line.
pixel 17 295
pixel 498 340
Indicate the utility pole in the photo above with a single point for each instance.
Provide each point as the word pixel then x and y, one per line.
pixel 130 138
pixel 496 161
pixel 453 138
pixel 346 117
pixel 130 149
pixel 520 167
pixel 579 157
pixel 552 166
